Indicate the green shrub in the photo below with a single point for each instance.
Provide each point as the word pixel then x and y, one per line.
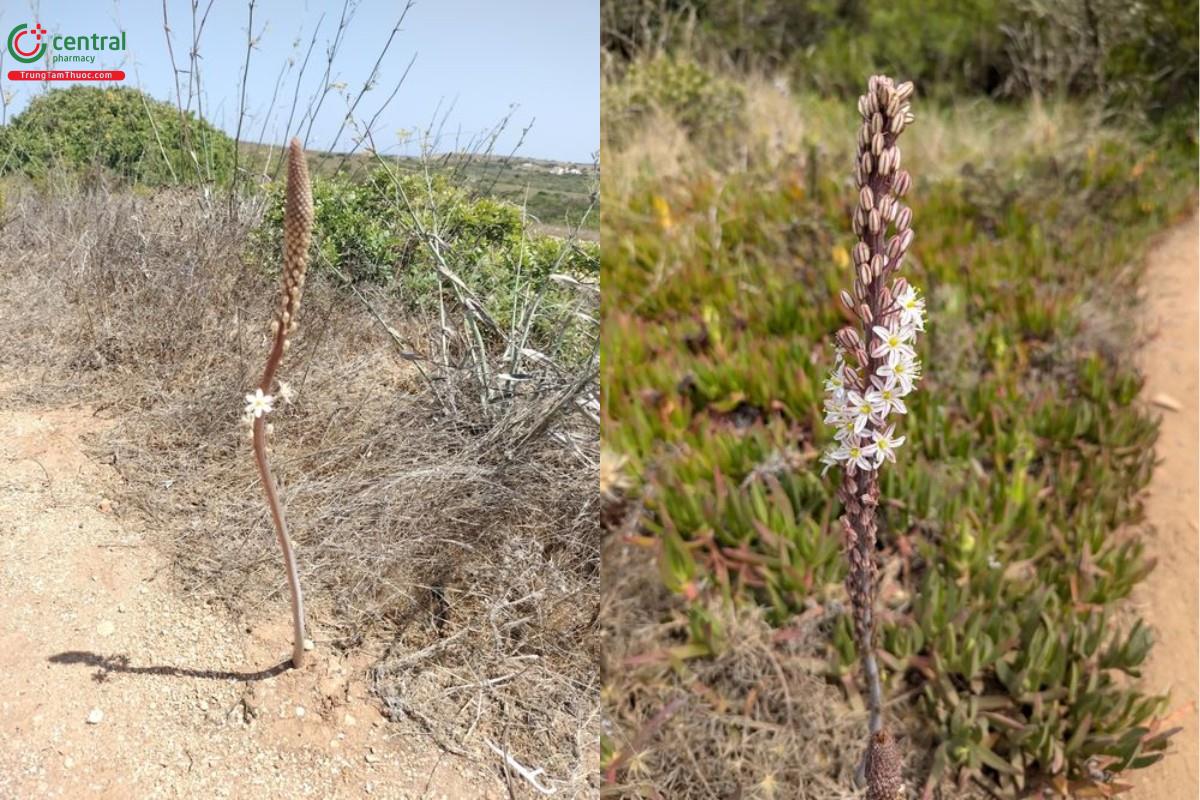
pixel 1027 451
pixel 1135 56
pixel 693 96
pixel 118 129
pixel 364 233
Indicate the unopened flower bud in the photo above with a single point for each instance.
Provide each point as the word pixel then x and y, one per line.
pixel 862 253
pixel 864 274
pixel 905 90
pixel 893 248
pixel 902 183
pixel 877 265
pixel 864 312
pixel 887 161
pixel 903 219
pixel 887 207
pixel 893 104
pixel 866 198
pixel 874 222
pixel 847 301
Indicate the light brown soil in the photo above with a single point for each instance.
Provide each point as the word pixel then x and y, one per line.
pixel 1168 599
pixel 192 704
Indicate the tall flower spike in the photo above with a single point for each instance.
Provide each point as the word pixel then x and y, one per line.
pixel 297 234
pixel 890 316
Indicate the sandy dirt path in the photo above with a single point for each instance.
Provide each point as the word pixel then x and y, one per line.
pixel 115 685
pixel 1168 599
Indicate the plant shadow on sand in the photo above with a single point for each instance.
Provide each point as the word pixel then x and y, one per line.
pixel 107 665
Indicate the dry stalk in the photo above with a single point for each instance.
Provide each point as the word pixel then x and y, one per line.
pixel 297 234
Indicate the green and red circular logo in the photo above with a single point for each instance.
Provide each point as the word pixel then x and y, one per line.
pixel 26 44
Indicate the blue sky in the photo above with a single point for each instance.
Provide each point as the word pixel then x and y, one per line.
pixel 476 58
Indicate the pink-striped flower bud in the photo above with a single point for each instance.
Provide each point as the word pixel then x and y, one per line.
pixel 862 253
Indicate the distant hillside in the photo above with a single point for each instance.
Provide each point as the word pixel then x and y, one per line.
pixel 555 193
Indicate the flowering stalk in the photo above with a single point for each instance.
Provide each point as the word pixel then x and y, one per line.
pixel 297 233
pixel 861 398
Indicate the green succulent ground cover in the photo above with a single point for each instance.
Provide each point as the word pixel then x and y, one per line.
pixel 1010 525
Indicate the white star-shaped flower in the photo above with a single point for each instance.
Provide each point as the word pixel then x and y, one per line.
pixel 885 445
pixel 901 374
pixel 856 454
pixel 894 343
pixel 886 399
pixel 859 410
pixel 912 309
pixel 258 404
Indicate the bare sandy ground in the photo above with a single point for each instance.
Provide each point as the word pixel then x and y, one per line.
pixel 114 685
pixel 1168 599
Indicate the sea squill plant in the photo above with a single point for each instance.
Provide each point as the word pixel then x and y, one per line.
pixel 297 234
pixel 863 394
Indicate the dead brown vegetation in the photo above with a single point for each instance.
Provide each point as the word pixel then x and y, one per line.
pixel 466 541
pixel 760 719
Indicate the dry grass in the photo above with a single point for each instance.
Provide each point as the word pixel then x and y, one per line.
pixel 759 720
pixel 475 558
pixel 777 129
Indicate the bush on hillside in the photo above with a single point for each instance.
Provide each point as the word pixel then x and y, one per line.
pixel 118 129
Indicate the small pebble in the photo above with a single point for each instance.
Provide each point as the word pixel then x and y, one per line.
pixel 95 717
pixel 308 644
pixel 1163 400
pixel 299 711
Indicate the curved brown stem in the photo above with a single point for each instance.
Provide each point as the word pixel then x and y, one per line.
pixel 297 233
pixel 285 543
